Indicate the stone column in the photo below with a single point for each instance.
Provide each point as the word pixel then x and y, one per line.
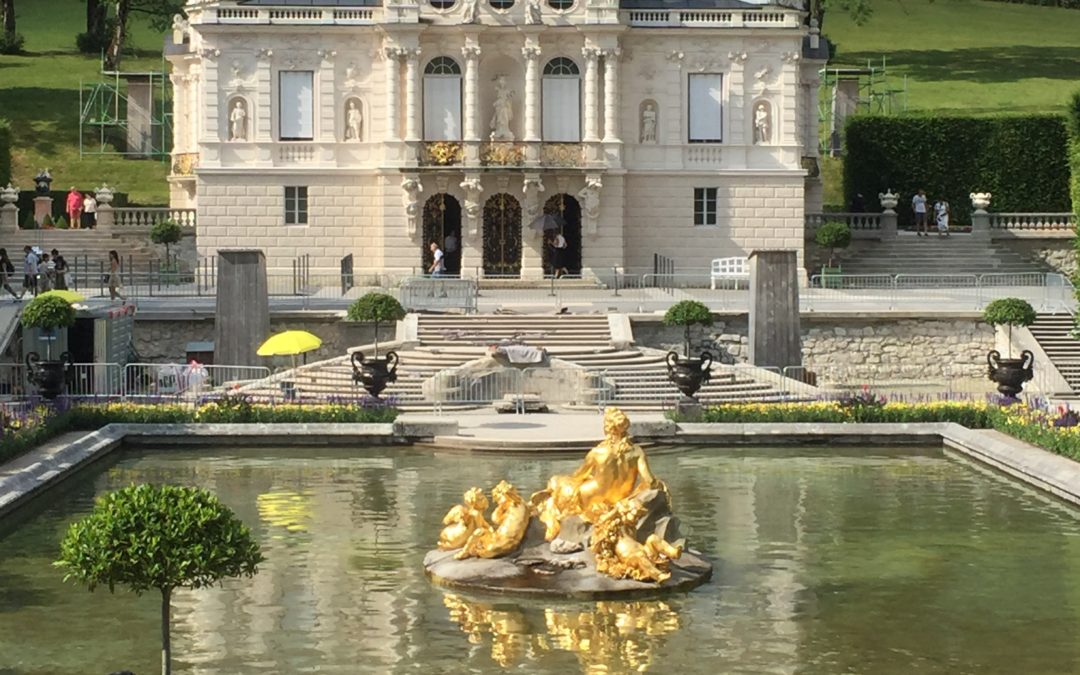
pixel 393 75
pixel 591 55
pixel 531 52
pixel 263 104
pixel 775 340
pixel 736 88
pixel 471 54
pixel 532 242
pixel 412 94
pixel 327 110
pixel 211 129
pixel 611 96
pixel 472 240
pixel 242 317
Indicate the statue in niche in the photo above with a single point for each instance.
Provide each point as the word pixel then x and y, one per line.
pixel 504 111
pixel 238 121
pixel 471 11
pixel 533 13
pixel 411 187
pixel 354 121
pixel 762 124
pixel 648 123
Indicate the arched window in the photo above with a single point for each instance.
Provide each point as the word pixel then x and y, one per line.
pixel 562 101
pixel 442 100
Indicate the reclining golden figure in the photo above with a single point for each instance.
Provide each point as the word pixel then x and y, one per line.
pixel 509 522
pixel 462 520
pixel 620 555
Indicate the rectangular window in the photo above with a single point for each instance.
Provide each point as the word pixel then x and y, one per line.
pixel 296 103
pixel 442 108
pixel 295 205
pixel 704 206
pixel 706 108
pixel 561 109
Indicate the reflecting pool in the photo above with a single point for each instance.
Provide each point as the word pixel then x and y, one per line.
pixel 827 561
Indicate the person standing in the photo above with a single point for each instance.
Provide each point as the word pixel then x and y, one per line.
pixel 30 267
pixel 6 270
pixel 438 264
pixel 114 277
pixel 941 216
pixel 558 243
pixel 61 268
pixel 74 208
pixel 918 205
pixel 89 211
pixel 450 246
pixel 45 273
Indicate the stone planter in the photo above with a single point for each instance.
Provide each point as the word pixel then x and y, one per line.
pixel 889 200
pixel 47 376
pixel 1010 374
pixel 689 374
pixel 374 374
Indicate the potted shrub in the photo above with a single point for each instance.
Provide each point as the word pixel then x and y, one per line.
pixel 1010 373
pixel 688 374
pixel 158 538
pixel 832 235
pixel 375 373
pixel 47 313
pixel 166 232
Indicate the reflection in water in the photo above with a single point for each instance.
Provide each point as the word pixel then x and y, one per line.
pixel 612 636
pixel 285 509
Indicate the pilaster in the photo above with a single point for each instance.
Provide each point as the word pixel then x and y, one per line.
pixel 327 97
pixel 393 77
pixel 211 131
pixel 531 51
pixel 737 92
pixel 412 94
pixel 532 241
pixel 591 56
pixel 611 95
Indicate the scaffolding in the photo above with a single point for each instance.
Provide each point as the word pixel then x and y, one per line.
pixel 846 91
pixel 126 114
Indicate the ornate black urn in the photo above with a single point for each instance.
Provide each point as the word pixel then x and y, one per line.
pixel 1010 374
pixel 374 373
pixel 689 374
pixel 48 376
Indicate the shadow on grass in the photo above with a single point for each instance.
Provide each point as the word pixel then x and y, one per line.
pixel 983 64
pixel 42 119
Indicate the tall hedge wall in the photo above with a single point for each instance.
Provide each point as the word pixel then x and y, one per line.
pixel 1021 160
pixel 1072 123
pixel 5 152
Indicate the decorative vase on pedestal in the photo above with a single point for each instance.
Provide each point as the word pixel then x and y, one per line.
pixel 374 373
pixel 1010 374
pixel 688 374
pixel 48 376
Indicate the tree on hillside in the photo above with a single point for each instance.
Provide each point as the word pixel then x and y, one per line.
pixel 159 15
pixel 96 13
pixel 11 42
pixel 858 10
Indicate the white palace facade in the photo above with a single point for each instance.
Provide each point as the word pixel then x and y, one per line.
pixel 686 128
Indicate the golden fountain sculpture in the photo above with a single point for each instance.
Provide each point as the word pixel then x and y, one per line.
pixel 611 518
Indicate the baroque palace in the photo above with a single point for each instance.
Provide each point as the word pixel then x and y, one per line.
pixel 686 128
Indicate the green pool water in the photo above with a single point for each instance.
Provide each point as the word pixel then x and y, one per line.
pixel 827 561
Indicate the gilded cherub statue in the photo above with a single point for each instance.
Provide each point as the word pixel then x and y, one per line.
pixel 618 552
pixel 509 521
pixel 464 519
pixel 614 470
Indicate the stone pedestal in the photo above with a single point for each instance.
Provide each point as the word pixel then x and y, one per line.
pixel 9 219
pixel 242 319
pixel 980 225
pixel 42 208
pixel 774 309
pixel 888 224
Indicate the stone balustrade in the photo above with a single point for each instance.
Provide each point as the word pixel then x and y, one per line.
pixel 858 222
pixel 1033 221
pixel 352 16
pixel 710 18
pixel 134 217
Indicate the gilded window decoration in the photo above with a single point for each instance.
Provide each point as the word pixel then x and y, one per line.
pixel 185 163
pixel 561 154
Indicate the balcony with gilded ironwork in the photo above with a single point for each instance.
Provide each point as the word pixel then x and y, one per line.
pixel 442 153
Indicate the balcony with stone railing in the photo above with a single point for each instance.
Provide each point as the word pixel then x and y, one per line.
pixel 710 18
pixel 1033 223
pixel 441 153
pixel 133 218
pixel 343 16
pixel 502 153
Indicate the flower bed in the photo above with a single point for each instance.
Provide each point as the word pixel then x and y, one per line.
pixel 25 426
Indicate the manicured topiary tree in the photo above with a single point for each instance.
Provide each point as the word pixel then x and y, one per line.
pixel 48 312
pixel 165 232
pixel 688 313
pixel 1009 312
pixel 158 537
pixel 376 308
pixel 833 235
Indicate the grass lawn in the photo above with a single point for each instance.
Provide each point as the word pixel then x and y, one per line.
pixel 968 56
pixel 39 93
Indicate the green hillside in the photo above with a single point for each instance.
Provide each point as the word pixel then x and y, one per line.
pixel 39 93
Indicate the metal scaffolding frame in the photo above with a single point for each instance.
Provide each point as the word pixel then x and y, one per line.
pixel 872 91
pixel 103 115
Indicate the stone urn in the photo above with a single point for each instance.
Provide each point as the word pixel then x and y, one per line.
pixel 9 194
pixel 688 374
pixel 889 200
pixel 1010 374
pixel 48 376
pixel 374 373
pixel 980 200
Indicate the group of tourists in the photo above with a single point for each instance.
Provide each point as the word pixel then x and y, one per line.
pixel 919 204
pixel 48 271
pixel 81 209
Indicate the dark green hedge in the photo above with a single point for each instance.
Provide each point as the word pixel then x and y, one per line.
pixel 5 152
pixel 1066 4
pixel 1072 124
pixel 1021 160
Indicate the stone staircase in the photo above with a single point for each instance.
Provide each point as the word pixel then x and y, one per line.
pixel 956 254
pixel 625 375
pixel 1051 331
pixel 84 247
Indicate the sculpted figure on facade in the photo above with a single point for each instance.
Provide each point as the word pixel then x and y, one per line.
pixel 533 13
pixel 532 188
pixel 238 120
pixel 472 188
pixel 354 121
pixel 412 188
pixel 503 111
pixel 762 123
pixel 648 123
pixel 589 197
pixel 471 9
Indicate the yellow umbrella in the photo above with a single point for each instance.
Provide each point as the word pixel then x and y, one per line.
pixel 70 297
pixel 289 343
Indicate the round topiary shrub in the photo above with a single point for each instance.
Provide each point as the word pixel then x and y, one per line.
pixel 688 313
pixel 1009 312
pixel 833 235
pixel 165 232
pixel 376 308
pixel 48 312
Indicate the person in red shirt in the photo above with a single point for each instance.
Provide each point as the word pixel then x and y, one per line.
pixel 74 208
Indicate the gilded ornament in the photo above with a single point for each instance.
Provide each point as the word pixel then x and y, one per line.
pixel 618 552
pixel 443 153
pixel 463 520
pixel 509 521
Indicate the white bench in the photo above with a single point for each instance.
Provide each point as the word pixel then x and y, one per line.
pixel 730 268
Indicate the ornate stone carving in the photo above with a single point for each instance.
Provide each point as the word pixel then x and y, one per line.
pixel 473 209
pixel 889 200
pixel 210 54
pixel 531 52
pixel 589 197
pixel 354 120
pixel 326 54
pixel 675 56
pixel 239 82
pixel 790 57
pixel 762 123
pixel 533 13
pixel 648 121
pixel 411 188
pixel 352 82
pixel 532 188
pixel 503 110
pixel 265 53
pixel 470 52
pixel 738 57
pixel 502 154
pixel 470 11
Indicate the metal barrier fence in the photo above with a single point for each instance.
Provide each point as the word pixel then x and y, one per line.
pixel 134 380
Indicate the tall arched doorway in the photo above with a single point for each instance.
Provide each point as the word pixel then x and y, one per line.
pixel 502 236
pixel 567 208
pixel 442 220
